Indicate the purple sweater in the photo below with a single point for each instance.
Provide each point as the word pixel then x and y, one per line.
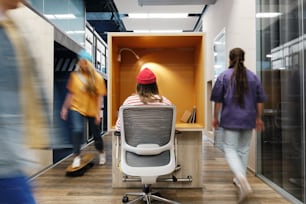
pixel 232 115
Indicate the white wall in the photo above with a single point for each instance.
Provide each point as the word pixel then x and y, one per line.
pixel 237 17
pixel 40 39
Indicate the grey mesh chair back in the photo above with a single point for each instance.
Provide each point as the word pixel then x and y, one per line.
pixel 147 140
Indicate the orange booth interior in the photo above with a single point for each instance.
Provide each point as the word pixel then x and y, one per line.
pixel 177 61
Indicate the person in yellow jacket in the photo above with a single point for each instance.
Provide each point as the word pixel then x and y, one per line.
pixel 83 101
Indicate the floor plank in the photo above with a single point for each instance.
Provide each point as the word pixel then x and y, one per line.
pixel 53 187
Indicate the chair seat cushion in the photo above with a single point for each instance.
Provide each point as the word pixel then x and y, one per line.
pixel 135 160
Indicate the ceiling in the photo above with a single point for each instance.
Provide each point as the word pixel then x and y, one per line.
pixel 112 15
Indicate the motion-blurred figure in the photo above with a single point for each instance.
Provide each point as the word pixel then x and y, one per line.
pixel 83 101
pixel 239 95
pixel 22 109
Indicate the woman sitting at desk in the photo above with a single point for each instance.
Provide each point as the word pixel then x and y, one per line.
pixel 146 92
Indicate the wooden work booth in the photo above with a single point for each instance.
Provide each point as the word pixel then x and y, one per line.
pixel 178 63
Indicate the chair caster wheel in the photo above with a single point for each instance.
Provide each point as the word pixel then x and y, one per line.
pixel 157 194
pixel 125 199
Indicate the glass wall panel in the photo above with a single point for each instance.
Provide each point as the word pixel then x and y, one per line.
pixel 220 60
pixel 280 63
pixel 67 15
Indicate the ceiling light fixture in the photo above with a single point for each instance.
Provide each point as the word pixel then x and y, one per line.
pixel 158 31
pixel 174 2
pixel 126 49
pixel 75 32
pixel 158 15
pixel 49 16
pixel 60 16
pixel 268 14
pixel 65 16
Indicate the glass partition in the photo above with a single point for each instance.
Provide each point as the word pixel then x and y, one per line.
pixel 67 15
pixel 220 63
pixel 220 57
pixel 280 63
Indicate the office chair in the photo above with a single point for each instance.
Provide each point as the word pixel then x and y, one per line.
pixel 147 146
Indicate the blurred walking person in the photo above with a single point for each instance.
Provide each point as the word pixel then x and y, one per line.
pixel 83 101
pixel 239 94
pixel 23 107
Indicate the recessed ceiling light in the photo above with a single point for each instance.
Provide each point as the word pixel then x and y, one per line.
pixel 49 16
pixel 60 16
pixel 174 2
pixel 75 32
pixel 268 14
pixel 158 15
pixel 158 31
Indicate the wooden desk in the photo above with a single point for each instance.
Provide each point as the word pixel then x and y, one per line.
pixel 189 157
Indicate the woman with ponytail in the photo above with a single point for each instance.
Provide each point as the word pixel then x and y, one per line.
pixel 239 95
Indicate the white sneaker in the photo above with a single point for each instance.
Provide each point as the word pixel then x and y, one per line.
pixel 102 158
pixel 76 162
pixel 236 182
pixel 245 188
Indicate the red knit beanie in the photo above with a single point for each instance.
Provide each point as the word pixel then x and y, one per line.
pixel 146 76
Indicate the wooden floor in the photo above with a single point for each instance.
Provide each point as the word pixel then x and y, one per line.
pixel 53 187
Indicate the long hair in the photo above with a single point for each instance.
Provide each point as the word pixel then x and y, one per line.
pixel 90 83
pixel 148 93
pixel 239 77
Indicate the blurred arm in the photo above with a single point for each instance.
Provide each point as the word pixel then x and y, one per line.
pixel 215 121
pixel 66 106
pixel 99 101
pixel 259 123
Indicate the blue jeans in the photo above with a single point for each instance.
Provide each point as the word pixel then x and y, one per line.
pixel 15 190
pixel 236 145
pixel 77 125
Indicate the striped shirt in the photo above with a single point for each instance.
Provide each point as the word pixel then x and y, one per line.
pixel 134 100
